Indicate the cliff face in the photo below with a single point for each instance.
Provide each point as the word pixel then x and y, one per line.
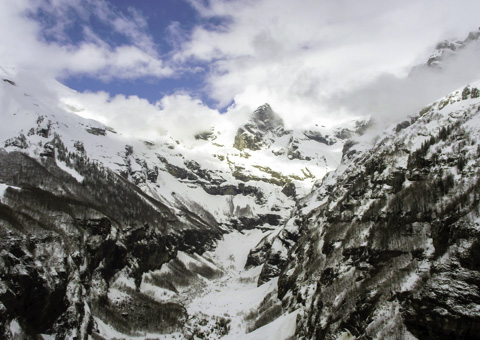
pixel 388 244
pixel 261 130
pixel 64 240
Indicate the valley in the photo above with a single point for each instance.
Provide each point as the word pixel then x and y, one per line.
pixel 343 231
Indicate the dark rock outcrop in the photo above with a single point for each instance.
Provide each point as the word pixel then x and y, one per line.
pixel 97 131
pixel 18 142
pixel 264 124
pixel 318 137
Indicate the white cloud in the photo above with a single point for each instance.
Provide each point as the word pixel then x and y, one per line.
pixel 389 99
pixel 179 115
pixel 24 46
pixel 297 54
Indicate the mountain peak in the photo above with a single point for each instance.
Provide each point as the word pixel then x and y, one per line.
pixel 446 48
pixel 266 119
pixel 474 35
pixel 263 108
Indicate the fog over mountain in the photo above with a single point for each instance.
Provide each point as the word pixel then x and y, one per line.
pixel 389 98
pixel 194 60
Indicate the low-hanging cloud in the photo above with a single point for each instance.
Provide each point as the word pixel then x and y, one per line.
pixel 179 116
pixel 388 98
pixel 315 62
pixel 297 55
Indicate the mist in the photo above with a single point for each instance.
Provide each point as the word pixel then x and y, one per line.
pixel 179 116
pixel 389 99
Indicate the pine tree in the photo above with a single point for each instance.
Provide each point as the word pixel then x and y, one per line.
pixel 466 93
pixel 475 93
pixel 461 163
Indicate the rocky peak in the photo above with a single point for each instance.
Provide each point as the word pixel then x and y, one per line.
pixel 266 119
pixel 473 36
pixel 446 48
pixel 264 125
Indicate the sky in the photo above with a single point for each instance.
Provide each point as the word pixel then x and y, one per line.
pixel 181 66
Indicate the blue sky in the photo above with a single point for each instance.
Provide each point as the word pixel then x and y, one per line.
pixel 160 19
pixel 187 61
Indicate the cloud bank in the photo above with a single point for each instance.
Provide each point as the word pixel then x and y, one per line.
pixel 388 99
pixel 178 116
pixel 298 54
pixel 321 62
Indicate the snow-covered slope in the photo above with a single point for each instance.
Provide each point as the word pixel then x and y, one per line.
pixel 234 186
pixel 387 245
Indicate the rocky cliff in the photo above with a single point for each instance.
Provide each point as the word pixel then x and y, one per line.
pixel 65 240
pixel 387 246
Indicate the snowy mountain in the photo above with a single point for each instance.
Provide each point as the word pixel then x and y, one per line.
pixel 213 176
pixel 103 227
pixel 272 233
pixel 387 246
pixel 447 50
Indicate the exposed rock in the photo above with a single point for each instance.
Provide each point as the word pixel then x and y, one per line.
pixel 344 134
pixel 177 171
pixel 96 131
pixel 289 189
pixel 402 125
pixel 245 140
pixel 43 127
pixel 19 142
pixel 265 119
pixel 347 151
pixel 362 125
pixel 318 137
pixel 244 222
pixel 257 132
pixel 207 175
pixel 241 189
pixel 78 145
pixel 8 81
pixel 48 150
pixel 273 251
pixel 207 135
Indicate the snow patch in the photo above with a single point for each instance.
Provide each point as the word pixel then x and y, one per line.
pixel 108 332
pixel 15 328
pixel 117 296
pixel 157 293
pixel 122 280
pixel 4 187
pixel 70 171
pixel 281 329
